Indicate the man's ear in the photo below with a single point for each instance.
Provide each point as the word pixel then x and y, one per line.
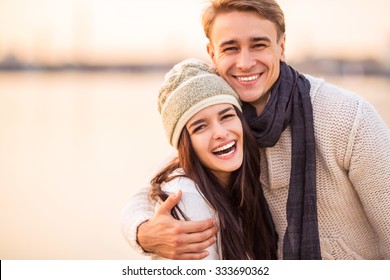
pixel 210 51
pixel 282 44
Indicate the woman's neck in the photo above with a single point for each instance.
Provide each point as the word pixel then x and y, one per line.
pixel 223 178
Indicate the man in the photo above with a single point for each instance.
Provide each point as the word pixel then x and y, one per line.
pixel 325 153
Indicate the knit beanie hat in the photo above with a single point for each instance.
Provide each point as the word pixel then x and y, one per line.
pixel 189 87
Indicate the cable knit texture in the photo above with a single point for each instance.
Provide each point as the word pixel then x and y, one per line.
pixel 353 178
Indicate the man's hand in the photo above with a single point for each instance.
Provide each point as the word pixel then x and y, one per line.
pixel 174 239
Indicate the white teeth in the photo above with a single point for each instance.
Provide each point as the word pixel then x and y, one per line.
pixel 227 154
pixel 227 146
pixel 248 79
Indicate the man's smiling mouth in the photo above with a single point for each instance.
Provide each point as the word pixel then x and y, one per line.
pixel 248 78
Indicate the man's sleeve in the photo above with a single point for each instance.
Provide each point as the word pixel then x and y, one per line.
pixel 370 172
pixel 138 210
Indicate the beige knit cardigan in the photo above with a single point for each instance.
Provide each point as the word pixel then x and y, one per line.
pixel 353 178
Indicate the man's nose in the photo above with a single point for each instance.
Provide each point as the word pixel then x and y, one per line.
pixel 245 60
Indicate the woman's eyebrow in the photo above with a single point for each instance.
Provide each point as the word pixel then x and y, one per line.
pixel 196 122
pixel 224 111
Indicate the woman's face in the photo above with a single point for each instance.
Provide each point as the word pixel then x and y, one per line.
pixel 217 138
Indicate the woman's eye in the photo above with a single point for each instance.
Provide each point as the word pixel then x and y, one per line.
pixel 228 116
pixel 198 128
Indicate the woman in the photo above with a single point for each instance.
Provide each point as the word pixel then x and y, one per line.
pixel 217 167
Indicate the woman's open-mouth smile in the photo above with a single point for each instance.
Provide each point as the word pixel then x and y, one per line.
pixel 225 150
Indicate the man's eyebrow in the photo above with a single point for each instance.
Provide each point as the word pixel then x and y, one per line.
pixel 257 39
pixel 253 40
pixel 228 42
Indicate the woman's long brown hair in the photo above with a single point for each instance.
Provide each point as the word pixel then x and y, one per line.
pixel 247 231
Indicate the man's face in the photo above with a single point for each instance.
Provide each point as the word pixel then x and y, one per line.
pixel 246 52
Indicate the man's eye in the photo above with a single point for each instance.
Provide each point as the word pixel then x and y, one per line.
pixel 230 49
pixel 257 46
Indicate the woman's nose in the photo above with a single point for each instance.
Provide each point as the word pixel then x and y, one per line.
pixel 219 131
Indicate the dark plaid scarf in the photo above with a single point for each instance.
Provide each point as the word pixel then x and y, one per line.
pixel 290 104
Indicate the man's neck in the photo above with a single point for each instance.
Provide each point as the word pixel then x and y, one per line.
pixel 261 103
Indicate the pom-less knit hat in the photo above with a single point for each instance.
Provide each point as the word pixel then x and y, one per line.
pixel 189 87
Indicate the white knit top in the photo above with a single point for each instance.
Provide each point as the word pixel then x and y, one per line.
pixel 352 172
pixel 194 207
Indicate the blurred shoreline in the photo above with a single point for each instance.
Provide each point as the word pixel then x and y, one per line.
pixel 12 64
pixel 324 66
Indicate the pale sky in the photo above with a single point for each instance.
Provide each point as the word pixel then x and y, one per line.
pixel 112 31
